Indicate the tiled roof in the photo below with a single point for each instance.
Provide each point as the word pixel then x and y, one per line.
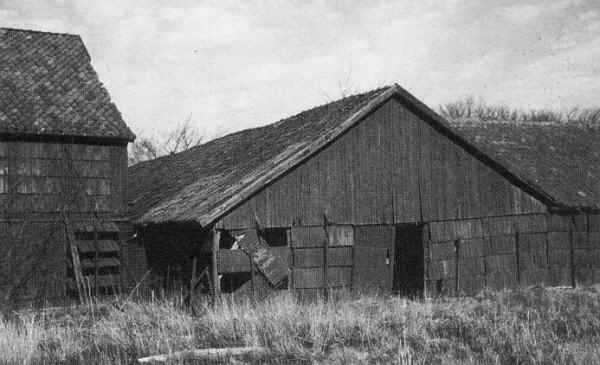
pixel 48 87
pixel 203 183
pixel 563 159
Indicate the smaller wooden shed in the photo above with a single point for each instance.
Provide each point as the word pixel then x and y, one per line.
pixel 63 163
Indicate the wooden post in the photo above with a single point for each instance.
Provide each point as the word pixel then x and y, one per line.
pixel 193 280
pixel 518 257
pixel 291 263
pixel 457 265
pixel 75 258
pixel 325 263
pixel 216 235
pixel 251 275
pixel 96 257
pixel 572 252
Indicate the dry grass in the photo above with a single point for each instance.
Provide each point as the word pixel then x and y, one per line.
pixel 540 326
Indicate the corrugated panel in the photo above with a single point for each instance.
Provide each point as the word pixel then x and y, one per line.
pixel 558 240
pixel 472 266
pixel 474 247
pixel 374 236
pixel 559 223
pixel 594 222
pixel 231 261
pixel 308 257
pixel 581 240
pixel 442 251
pixel 495 263
pixel 500 225
pixel 307 278
pixel 503 245
pixel 441 269
pixel 313 277
pixel 371 279
pixel 340 235
pixel 502 279
pixel 313 257
pixel 537 223
pixel 452 230
pixel 340 256
pixel 339 276
pixel 372 257
pixel 313 236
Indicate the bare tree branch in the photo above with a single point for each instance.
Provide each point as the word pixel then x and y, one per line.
pixel 183 137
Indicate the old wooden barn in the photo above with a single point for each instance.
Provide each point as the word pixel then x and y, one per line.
pixel 376 192
pixel 63 161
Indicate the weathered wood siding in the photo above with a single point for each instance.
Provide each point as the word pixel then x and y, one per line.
pixel 391 168
pixel 34 177
pixel 512 251
pixel 37 179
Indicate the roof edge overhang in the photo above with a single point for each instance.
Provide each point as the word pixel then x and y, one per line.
pixel 423 111
pixel 57 138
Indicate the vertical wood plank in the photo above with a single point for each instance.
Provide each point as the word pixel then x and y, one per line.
pixel 216 235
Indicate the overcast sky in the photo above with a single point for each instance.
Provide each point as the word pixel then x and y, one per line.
pixel 234 65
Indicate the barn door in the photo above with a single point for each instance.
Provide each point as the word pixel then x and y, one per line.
pixel 408 261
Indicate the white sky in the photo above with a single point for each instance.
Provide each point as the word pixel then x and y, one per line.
pixel 238 64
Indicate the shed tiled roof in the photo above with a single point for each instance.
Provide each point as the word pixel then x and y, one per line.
pixel 48 87
pixel 563 159
pixel 559 165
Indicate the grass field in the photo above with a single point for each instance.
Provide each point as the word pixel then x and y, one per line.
pixel 538 326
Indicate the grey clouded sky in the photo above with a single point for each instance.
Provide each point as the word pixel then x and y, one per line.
pixel 239 64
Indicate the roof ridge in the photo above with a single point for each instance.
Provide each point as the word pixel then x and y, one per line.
pixel 38 31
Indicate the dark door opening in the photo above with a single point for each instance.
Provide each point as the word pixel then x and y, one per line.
pixel 408 260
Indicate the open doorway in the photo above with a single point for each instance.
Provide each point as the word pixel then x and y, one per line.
pixel 408 260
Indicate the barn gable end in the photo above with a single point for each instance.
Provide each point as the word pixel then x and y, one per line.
pixel 390 168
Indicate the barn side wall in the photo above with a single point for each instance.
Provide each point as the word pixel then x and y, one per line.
pixel 37 180
pixel 391 168
pixel 465 256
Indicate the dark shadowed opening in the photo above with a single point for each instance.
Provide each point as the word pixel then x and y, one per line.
pixel 408 262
